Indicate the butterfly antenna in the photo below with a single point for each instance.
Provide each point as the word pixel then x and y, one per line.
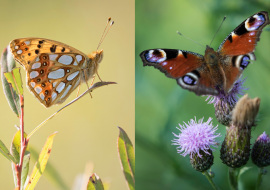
pixel 106 30
pixel 224 18
pixel 189 38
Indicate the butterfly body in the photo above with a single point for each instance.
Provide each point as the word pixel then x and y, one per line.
pixel 217 70
pixel 54 69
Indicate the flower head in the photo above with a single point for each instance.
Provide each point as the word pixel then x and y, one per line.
pixel 225 102
pixel 232 96
pixel 195 137
pixel 260 153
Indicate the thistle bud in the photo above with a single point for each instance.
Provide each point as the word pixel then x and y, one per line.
pixel 235 149
pixel 260 153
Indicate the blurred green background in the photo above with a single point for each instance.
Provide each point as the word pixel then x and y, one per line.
pixel 87 130
pixel 161 104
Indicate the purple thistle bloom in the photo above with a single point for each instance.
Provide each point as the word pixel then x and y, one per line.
pixel 195 137
pixel 225 102
pixel 231 97
pixel 263 138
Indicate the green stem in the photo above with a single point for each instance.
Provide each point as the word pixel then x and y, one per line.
pixel 206 174
pixel 233 178
pixel 259 179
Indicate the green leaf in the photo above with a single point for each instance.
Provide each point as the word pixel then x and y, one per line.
pixel 6 153
pixel 25 168
pixel 95 183
pixel 41 163
pixel 127 157
pixel 14 78
pixel 15 151
pixel 51 172
pixel 7 64
pixel 16 146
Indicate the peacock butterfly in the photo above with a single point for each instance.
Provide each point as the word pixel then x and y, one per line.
pixel 217 70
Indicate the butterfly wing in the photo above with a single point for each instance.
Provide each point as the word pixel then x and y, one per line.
pixel 237 49
pixel 54 69
pixel 244 38
pixel 189 69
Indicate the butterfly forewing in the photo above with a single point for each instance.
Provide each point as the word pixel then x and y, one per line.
pixel 244 38
pixel 54 69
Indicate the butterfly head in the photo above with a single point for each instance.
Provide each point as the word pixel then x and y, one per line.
pixel 96 56
pixel 211 56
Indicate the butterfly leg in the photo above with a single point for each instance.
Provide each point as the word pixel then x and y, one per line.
pixel 86 77
pixel 78 90
pixel 98 75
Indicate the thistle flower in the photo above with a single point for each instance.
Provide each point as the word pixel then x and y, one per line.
pixel 235 149
pixel 225 102
pixel 260 153
pixel 196 139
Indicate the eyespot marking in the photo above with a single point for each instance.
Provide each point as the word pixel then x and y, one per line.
pixel 254 22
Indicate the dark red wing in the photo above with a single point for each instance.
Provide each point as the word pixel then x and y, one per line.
pixel 245 37
pixel 174 63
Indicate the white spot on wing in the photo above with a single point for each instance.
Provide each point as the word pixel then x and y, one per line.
pixel 66 91
pixel 36 65
pixel 72 76
pixel 164 63
pixel 27 42
pixel 79 58
pixel 16 47
pixel 65 59
pixel 56 74
pixel 53 57
pixel 19 51
pixel 54 84
pixel 33 84
pixel 60 87
pixel 38 89
pixel 54 95
pixel 37 59
pixel 42 96
pixel 33 74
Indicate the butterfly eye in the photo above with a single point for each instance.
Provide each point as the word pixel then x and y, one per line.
pixel 242 61
pixel 190 79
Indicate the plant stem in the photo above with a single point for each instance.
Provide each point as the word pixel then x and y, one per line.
pixel 233 178
pixel 209 178
pixel 24 143
pixel 259 179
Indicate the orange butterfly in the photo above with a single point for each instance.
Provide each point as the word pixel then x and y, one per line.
pixel 54 69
